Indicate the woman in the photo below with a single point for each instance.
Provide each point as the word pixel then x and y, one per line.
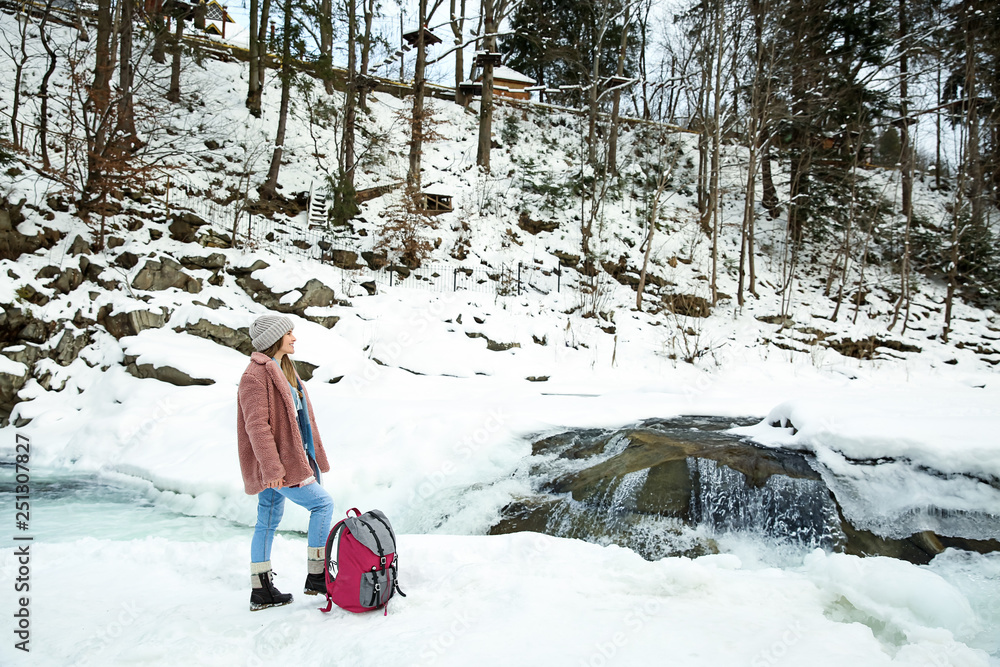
pixel 281 456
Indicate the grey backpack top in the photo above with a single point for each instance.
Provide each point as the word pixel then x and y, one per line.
pixel 372 529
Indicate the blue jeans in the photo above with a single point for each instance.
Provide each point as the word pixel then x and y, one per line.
pixel 271 506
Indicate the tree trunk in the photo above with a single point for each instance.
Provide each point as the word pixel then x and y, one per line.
pixel 43 89
pixel 22 27
pixel 265 15
pixel 325 64
pixel 159 27
pixel 99 100
pixel 613 138
pixel 417 121
pixel 253 85
pixel 457 27
pixel 366 49
pixel 714 195
pixel 270 187
pixel 486 100
pixel 350 102
pixel 174 94
pixel 906 166
pixel 125 130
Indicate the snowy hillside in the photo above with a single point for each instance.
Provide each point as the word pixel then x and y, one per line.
pixel 121 364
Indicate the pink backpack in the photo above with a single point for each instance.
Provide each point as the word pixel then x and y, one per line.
pixel 361 564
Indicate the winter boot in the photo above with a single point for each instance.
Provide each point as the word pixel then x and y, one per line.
pixel 316 579
pixel 264 594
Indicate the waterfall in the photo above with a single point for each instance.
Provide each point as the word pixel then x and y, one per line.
pixel 798 511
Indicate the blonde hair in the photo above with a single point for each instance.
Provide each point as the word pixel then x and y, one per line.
pixel 287 365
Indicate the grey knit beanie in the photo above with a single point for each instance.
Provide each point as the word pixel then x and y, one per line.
pixel 267 330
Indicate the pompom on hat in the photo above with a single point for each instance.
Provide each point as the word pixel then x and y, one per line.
pixel 267 330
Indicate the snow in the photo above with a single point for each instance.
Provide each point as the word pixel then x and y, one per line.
pixel 512 599
pixel 425 422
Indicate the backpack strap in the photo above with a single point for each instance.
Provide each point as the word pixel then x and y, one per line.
pixel 355 510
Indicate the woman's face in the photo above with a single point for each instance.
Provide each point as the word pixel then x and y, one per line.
pixel 287 344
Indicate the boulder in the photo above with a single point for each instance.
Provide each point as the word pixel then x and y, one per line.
pixel 12 378
pixel 164 274
pixel 214 239
pixel 313 293
pixel 375 261
pixel 166 374
pixel 247 270
pixel 211 262
pixel 535 227
pixel 687 305
pixel 344 259
pixel 31 295
pixel 130 323
pixel 566 259
pixel 184 226
pixel 127 260
pixel 79 246
pixel 237 339
pixel 69 347
pixel 67 281
pixel 13 243
pixel 48 272
pixel 328 321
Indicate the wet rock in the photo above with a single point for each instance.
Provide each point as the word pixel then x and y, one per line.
pixel 166 374
pixel 164 274
pixel 647 475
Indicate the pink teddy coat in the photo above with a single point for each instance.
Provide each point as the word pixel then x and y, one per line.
pixel 267 429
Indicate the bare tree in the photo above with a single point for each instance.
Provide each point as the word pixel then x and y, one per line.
pixel 486 98
pixel 457 28
pixel 417 119
pixel 270 187
pixel 43 88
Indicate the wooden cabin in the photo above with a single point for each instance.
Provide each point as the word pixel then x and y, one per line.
pixel 432 203
pixel 508 82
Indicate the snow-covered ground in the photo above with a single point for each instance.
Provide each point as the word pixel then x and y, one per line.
pixel 432 427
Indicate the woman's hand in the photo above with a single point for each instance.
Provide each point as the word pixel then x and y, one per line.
pixel 275 484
